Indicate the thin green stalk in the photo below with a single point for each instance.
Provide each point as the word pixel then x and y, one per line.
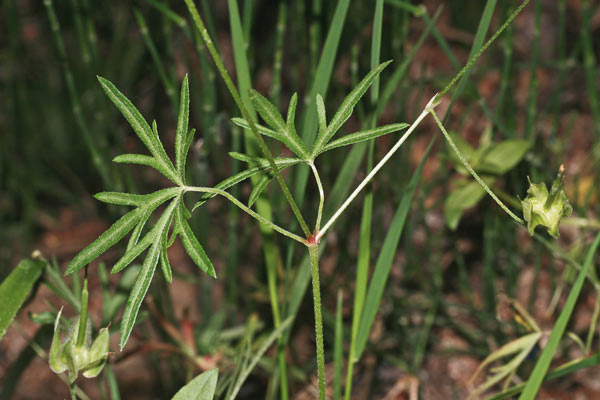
pixel 240 35
pixel 321 196
pixel 532 91
pixel 593 324
pixel 376 169
pixel 562 64
pixel 72 390
pixel 162 73
pixel 314 35
pixel 247 210
pixel 338 356
pixel 85 49
pixel 83 316
pixel 236 97
pixel 76 105
pixel 470 169
pixel 277 61
pixel 589 61
pixel 506 69
pixel 313 250
pixel 364 246
pixel 473 59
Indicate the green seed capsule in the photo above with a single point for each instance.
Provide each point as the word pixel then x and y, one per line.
pixel 544 208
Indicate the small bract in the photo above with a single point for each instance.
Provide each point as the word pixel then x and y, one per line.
pixel 544 208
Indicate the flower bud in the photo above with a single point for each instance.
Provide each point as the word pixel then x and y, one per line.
pixel 544 208
pixel 77 354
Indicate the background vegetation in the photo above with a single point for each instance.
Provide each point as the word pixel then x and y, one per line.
pixel 463 277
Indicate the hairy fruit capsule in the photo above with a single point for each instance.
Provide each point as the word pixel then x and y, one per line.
pixel 544 208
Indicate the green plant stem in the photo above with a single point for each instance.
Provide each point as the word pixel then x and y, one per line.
pixel 473 59
pixel 97 159
pixel 470 169
pixel 162 73
pixel 313 250
pixel 321 195
pixel 83 316
pixel 376 169
pixel 593 324
pixel 275 91
pixel 236 97
pixel 72 390
pixel 246 209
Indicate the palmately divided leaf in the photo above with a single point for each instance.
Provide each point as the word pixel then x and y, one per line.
pixel 346 108
pixel 140 127
pixel 273 118
pixel 282 163
pixel 142 282
pixel 191 244
pixel 120 228
pixel 182 128
pixel 362 136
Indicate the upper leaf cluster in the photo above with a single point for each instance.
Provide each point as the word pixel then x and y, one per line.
pixel 284 131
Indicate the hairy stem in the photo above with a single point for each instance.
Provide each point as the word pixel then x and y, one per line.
pixel 247 210
pixel 376 169
pixel 313 250
pixel 491 40
pixel 321 196
pixel 236 97
pixel 462 158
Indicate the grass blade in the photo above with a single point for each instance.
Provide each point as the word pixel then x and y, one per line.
pixel 338 348
pixel 484 24
pixel 385 259
pixel 565 369
pixel 541 367
pixel 15 288
pixel 258 355
pixel 319 86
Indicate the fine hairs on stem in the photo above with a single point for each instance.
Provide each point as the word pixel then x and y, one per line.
pixel 470 169
pixel 155 241
pixel 432 103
